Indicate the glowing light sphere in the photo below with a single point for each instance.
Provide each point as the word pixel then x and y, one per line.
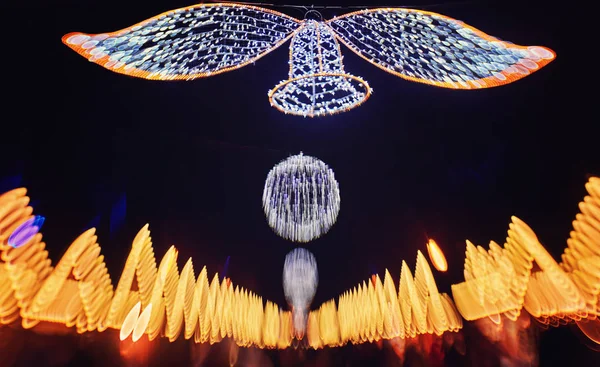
pixel 300 280
pixel 317 84
pixel 301 198
pixel 25 232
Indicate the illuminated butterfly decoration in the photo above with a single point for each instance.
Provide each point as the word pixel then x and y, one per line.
pixel 208 39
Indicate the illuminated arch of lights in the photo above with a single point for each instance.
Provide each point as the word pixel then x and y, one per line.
pixel 208 39
pixel 374 310
pixel 499 282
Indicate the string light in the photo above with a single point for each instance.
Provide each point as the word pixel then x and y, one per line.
pixel 436 255
pixel 374 310
pixel 26 231
pixel 301 198
pixel 300 280
pixel 78 292
pixel 434 49
pixel 317 83
pixel 501 281
pixel 188 43
pixel 208 39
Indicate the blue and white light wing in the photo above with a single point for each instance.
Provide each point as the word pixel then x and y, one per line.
pixel 434 49
pixel 188 43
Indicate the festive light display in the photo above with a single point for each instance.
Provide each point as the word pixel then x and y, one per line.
pixel 434 49
pixel 501 281
pixel 78 291
pixel 301 198
pixel 317 83
pixel 436 255
pixel 208 39
pixel 25 232
pixel 188 43
pixel 300 280
pixel 374 311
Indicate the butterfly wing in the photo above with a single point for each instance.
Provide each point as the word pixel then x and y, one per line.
pixel 434 49
pixel 188 43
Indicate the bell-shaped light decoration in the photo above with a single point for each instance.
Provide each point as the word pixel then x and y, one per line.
pixel 317 84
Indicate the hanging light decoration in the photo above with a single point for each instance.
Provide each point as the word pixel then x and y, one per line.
pixel 301 198
pixel 300 280
pixel 207 39
pixel 317 83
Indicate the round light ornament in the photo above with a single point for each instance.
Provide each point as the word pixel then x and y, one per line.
pixel 301 198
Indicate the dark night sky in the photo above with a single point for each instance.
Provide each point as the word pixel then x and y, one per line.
pixel 192 156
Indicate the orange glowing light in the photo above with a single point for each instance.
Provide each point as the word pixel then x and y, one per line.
pixel 374 310
pixel 591 329
pixel 499 282
pixel 78 292
pixel 142 323
pixel 130 321
pixel 436 256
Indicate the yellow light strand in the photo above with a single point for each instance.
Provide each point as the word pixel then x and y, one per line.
pixel 374 311
pixel 78 291
pixel 501 280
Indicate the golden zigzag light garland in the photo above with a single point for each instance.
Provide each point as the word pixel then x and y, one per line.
pixel 374 311
pixel 501 280
pixel 78 290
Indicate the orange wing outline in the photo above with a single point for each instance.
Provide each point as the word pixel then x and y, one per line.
pixel 512 73
pixel 105 61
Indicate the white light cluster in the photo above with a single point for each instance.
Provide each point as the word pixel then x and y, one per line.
pixel 434 48
pixel 207 39
pixel 317 84
pixel 301 198
pixel 300 280
pixel 194 42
